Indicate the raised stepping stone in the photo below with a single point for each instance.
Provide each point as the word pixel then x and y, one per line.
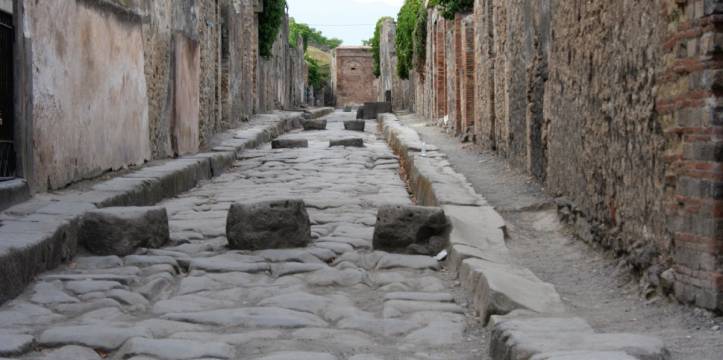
pixel 316 124
pixel 268 225
pixel 120 231
pixel 410 229
pixel 13 345
pixel 101 337
pixel 354 125
pixel 354 142
pixel 289 143
pixel 176 349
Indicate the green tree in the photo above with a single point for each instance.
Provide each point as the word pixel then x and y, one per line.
pixel 319 74
pixel 406 23
pixel 451 7
pixel 270 21
pixel 311 36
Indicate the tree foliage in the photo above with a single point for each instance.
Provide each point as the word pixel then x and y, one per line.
pixel 270 21
pixel 311 36
pixel 406 23
pixel 319 74
pixel 451 7
pixel 420 39
pixel 374 42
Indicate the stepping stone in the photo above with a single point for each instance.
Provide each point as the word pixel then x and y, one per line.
pixel 354 125
pixel 101 337
pixel 15 345
pixel 268 225
pixel 316 124
pixel 175 349
pixel 354 142
pixel 121 230
pixel 289 143
pixel 410 229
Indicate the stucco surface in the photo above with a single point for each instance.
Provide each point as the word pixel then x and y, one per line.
pixel 93 115
pixel 186 104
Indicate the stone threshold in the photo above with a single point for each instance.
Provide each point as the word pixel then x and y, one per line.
pixel 526 315
pixel 40 234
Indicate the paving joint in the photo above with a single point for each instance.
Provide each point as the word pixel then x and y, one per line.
pixel 510 299
pixel 40 234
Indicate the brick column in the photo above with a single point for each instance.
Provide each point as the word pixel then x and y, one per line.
pixel 689 105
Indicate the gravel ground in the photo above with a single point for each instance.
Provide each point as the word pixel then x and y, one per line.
pixel 590 281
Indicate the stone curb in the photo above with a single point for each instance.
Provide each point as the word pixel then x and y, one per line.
pixel 480 258
pixel 41 233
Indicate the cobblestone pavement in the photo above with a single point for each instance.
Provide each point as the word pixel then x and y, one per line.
pixel 195 299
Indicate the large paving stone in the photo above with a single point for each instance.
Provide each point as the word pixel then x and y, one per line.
pixel 298 355
pixel 251 317
pixel 501 288
pixel 175 349
pixel 72 352
pixel 522 338
pixel 584 355
pixel 410 229
pixel 102 337
pixel 268 225
pixel 15 344
pixel 120 231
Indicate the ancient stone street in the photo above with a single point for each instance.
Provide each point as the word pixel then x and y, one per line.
pixel 196 299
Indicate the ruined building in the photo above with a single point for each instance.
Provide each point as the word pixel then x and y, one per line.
pixel 613 105
pixel 352 79
pixel 101 85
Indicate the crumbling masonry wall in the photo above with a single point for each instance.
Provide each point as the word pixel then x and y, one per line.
pixel 353 80
pixel 389 81
pixel 108 84
pixel 613 105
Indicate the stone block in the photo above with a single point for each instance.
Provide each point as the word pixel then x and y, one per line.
pixel 542 337
pixel 289 143
pixel 501 288
pixel 268 225
pixel 120 231
pixel 353 142
pixel 410 229
pixel 370 110
pixel 354 125
pixel 315 124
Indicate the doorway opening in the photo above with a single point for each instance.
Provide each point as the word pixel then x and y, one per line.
pixel 7 98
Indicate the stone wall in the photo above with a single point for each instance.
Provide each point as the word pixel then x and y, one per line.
pixel 114 83
pixel 353 81
pixel 612 105
pixel 85 91
pixel 390 84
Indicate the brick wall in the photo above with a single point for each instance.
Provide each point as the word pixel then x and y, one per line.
pixel 614 106
pixel 354 82
pixel 688 101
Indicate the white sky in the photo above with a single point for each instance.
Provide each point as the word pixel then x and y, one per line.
pixel 329 15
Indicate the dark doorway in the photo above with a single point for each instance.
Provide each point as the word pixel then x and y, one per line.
pixel 7 112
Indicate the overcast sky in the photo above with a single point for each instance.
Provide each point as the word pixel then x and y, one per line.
pixel 327 15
